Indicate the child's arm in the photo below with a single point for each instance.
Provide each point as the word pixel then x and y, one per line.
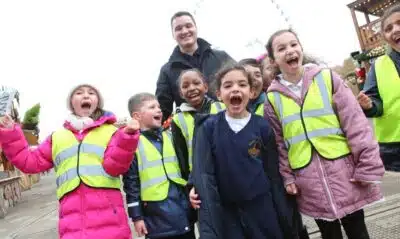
pixel 131 182
pixel 365 149
pixel 17 150
pixel 181 150
pixel 371 90
pixel 119 153
pixel 284 167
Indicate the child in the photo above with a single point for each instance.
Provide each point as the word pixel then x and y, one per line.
pixel 88 155
pixel 268 70
pixel 235 169
pixel 256 103
pixel 155 190
pixel 328 155
pixel 193 88
pixel 380 100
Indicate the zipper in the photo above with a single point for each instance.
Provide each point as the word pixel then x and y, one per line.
pixel 77 161
pixel 326 185
pixel 319 159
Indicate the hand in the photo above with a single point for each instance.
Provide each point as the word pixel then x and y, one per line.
pixel 361 183
pixel 194 199
pixel 292 189
pixel 140 228
pixel 364 101
pixel 6 122
pixel 132 126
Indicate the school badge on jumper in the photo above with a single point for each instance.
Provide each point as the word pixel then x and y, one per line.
pixel 255 149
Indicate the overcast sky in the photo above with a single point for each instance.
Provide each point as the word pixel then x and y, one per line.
pixel 47 46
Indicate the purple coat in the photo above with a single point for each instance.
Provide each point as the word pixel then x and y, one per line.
pixel 325 188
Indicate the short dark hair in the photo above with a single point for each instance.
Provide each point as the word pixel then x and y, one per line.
pixel 180 14
pixel 136 101
pixel 393 9
pixel 197 71
pixel 271 39
pixel 228 68
pixel 249 62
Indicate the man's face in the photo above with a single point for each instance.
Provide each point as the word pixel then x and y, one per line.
pixel 184 31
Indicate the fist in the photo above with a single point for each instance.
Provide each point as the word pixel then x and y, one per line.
pixel 292 189
pixel 6 122
pixel 132 126
pixel 364 101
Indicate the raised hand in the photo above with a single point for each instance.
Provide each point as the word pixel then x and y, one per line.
pixel 132 126
pixel 6 122
pixel 364 101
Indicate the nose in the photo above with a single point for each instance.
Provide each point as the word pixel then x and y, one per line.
pixel 191 87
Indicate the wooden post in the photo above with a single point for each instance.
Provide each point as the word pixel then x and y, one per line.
pixel 360 39
pixel 367 17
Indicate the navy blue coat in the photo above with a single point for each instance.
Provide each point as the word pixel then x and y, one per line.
pixel 170 217
pixel 216 219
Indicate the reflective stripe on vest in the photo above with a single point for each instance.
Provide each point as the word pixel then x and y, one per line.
pixel 155 170
pixel 386 127
pixel 312 125
pixel 82 161
pixel 260 110
pixel 185 121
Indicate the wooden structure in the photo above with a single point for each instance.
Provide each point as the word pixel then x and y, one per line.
pixel 369 33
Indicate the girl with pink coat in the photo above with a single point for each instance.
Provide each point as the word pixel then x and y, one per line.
pixel 328 155
pixel 89 154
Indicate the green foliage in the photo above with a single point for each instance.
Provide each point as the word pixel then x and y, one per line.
pixel 31 116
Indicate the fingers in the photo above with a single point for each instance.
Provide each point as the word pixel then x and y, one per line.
pixel 291 189
pixel 194 201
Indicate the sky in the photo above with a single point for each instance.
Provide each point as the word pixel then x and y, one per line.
pixel 47 47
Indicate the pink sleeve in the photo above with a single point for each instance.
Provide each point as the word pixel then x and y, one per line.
pixel 17 150
pixel 119 153
pixel 284 167
pixel 355 125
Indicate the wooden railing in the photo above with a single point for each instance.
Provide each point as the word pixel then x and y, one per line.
pixel 370 35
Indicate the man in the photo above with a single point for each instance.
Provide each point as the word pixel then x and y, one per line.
pixel 191 52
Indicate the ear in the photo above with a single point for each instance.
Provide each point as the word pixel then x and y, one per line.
pixel 206 86
pixel 136 116
pixel 218 93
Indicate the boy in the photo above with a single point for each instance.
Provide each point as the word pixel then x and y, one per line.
pixel 155 190
pixel 256 103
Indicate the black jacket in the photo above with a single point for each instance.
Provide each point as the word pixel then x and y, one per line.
pixel 206 59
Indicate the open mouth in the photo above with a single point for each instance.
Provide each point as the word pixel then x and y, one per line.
pixel 157 117
pixel 86 105
pixel 396 39
pixel 193 95
pixel 293 61
pixel 236 100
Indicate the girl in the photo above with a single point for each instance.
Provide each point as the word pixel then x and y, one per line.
pixel 88 154
pixel 328 155
pixel 235 169
pixel 380 100
pixel 193 89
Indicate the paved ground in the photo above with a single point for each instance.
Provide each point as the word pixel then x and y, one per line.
pixel 35 217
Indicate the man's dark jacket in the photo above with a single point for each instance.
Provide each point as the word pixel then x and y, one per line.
pixel 206 59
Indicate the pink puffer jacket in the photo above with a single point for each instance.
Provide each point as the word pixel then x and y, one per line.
pixel 85 213
pixel 325 188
